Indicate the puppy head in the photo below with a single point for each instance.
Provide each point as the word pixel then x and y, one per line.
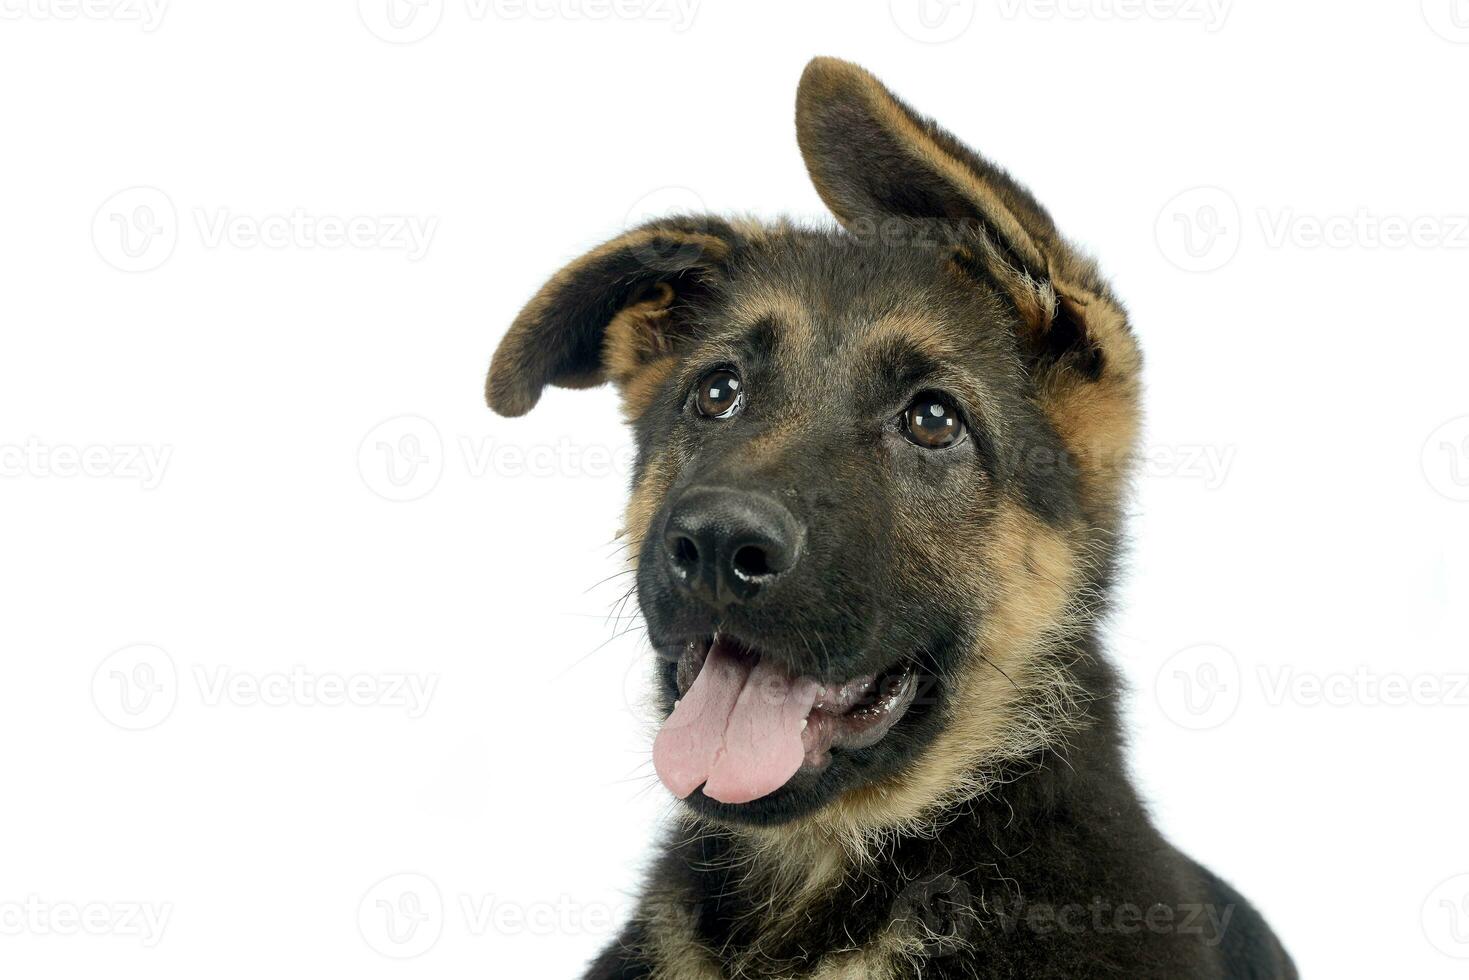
pixel 879 467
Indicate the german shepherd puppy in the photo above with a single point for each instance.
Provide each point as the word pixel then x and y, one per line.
pixel 875 518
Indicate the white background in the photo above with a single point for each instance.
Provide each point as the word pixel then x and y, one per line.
pixel 330 507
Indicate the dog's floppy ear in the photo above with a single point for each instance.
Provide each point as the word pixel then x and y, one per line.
pixel 607 312
pixel 875 160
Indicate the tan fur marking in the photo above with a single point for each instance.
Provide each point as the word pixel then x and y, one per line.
pixel 758 301
pixel 765 450
pixel 1031 574
pixel 643 503
pixel 639 390
pixel 923 333
pixel 931 336
pixel 1034 300
pixel 876 962
pixel 753 229
pixel 1100 420
pixel 637 334
pixel 637 350
pixel 675 953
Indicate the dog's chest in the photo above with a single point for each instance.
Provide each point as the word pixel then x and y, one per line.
pixel 679 954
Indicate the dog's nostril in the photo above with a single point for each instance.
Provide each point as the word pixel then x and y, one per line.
pixel 685 552
pixel 751 561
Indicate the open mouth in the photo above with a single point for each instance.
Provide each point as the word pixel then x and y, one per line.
pixel 743 726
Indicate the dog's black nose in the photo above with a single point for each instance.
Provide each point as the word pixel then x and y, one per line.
pixel 727 545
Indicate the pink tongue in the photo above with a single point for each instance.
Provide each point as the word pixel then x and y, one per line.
pixel 737 732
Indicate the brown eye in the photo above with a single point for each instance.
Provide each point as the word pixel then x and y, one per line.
pixel 932 423
pixel 719 394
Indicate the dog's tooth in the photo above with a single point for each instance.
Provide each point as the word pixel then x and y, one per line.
pixel 804 723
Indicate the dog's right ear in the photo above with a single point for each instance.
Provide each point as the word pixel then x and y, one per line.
pixel 874 159
pixel 608 313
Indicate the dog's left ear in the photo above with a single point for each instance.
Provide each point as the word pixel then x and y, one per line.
pixel 874 160
pixel 608 314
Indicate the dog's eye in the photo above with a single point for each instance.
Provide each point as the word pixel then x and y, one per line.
pixel 932 423
pixel 719 394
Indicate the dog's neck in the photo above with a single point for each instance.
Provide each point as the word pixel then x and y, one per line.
pixel 747 889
